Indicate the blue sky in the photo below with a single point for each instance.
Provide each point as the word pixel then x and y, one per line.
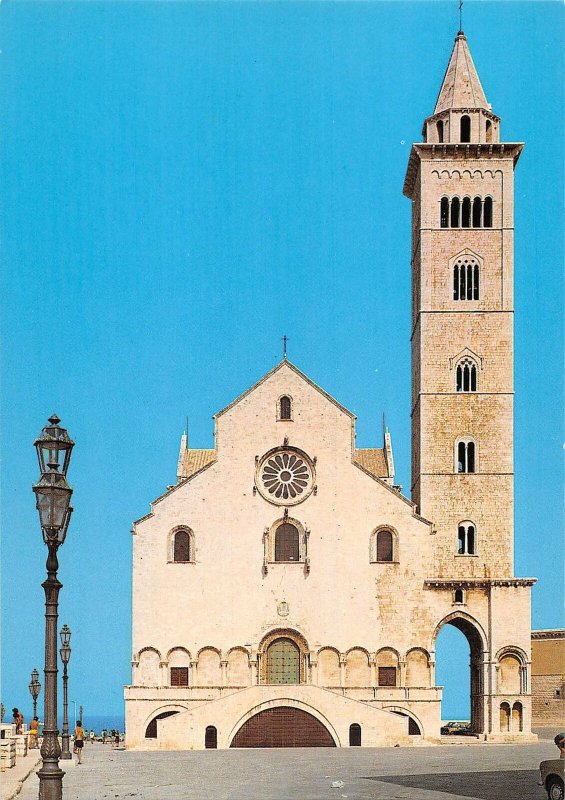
pixel 186 182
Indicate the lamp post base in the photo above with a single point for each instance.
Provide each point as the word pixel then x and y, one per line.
pixel 50 784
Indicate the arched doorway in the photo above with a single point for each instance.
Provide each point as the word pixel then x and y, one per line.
pixel 283 657
pixel 283 726
pixel 413 727
pixel 151 730
pixel 465 668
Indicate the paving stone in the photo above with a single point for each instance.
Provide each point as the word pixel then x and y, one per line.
pixel 456 772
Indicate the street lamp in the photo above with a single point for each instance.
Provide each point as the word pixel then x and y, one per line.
pixel 65 651
pixel 53 497
pixel 34 689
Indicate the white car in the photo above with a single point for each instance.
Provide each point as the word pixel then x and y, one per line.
pixel 551 778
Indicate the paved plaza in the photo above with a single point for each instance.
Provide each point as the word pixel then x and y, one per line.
pixel 449 772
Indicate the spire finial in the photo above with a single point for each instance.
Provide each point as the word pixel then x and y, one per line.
pixel 284 340
pixel 460 16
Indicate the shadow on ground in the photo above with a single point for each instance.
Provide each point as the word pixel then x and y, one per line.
pixel 484 785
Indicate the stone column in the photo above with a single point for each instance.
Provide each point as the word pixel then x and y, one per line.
pixel 342 670
pixel 224 669
pixel 254 668
pixel 164 673
pixel 373 665
pixel 402 672
pixel 192 675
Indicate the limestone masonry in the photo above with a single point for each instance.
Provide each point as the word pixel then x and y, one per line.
pixel 285 592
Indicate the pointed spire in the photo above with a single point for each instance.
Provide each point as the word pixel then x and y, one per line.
pixel 182 453
pixel 461 87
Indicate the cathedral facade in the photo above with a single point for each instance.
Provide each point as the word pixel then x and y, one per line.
pixel 296 593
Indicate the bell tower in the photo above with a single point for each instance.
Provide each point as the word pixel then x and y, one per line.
pixel 461 183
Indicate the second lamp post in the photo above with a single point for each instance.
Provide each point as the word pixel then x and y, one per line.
pixel 65 651
pixel 34 689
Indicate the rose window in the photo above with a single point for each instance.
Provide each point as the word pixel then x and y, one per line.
pixel 285 476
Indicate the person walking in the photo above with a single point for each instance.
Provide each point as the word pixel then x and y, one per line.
pixel 560 742
pixel 34 734
pixel 79 741
pixel 92 736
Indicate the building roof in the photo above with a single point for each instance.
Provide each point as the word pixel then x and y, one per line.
pixel 373 460
pixel 192 461
pixel 461 87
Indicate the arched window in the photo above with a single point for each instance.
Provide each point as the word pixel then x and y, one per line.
pixel 444 212
pixel 466 456
pixel 355 735
pixel 287 544
pixel 466 376
pixel 283 662
pixel 466 540
pixel 285 407
pixel 477 212
pixel 211 738
pixel 465 279
pixel 465 128
pixel 487 214
pixel 455 204
pixel 385 546
pixel 182 546
pixel 466 213
pixel 439 126
pixel 458 596
pixel 489 131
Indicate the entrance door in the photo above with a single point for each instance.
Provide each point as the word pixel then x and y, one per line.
pixel 283 662
pixel 283 727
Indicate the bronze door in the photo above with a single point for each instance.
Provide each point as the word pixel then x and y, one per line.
pixel 283 727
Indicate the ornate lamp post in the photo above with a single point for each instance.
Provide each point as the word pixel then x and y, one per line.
pixel 53 497
pixel 65 651
pixel 34 689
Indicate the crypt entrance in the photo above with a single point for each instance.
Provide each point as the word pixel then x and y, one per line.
pixel 283 726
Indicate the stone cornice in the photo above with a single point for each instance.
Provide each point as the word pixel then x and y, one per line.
pixel 424 151
pixel 554 633
pixel 476 583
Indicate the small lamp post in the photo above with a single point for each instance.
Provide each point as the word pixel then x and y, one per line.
pixel 65 651
pixel 34 689
pixel 53 497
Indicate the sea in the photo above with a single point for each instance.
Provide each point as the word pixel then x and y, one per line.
pixel 97 722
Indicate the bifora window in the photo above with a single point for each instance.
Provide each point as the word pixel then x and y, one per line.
pixel 287 543
pixel 466 456
pixel 466 536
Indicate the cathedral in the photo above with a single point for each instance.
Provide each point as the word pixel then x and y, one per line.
pixel 296 593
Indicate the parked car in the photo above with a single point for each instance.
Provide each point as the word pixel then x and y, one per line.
pixel 551 777
pixel 457 727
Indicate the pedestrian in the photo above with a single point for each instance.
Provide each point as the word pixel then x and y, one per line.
pixel 560 742
pixel 117 738
pixel 18 720
pixel 79 741
pixel 34 734
pixel 92 736
pixel 104 734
